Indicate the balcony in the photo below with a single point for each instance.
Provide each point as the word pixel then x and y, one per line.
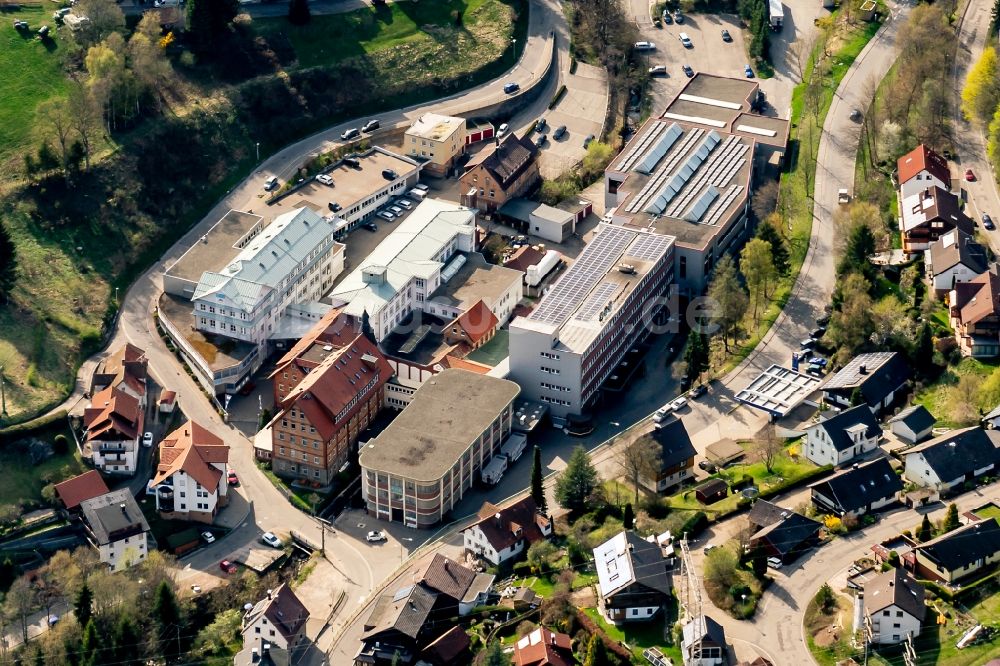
pixel 114 447
pixel 165 498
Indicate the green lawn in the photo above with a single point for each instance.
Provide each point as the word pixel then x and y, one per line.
pixel 31 72
pixel 935 397
pixel 542 585
pixel 23 482
pixel 407 39
pixel 638 635
pixel 987 512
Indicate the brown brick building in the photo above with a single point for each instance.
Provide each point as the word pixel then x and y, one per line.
pixel 503 171
pixel 327 390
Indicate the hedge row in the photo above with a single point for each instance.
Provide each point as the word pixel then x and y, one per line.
pixel 558 96
pixel 591 628
pixel 29 428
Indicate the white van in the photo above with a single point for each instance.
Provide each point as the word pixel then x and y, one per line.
pixel 663 413
pixel 419 195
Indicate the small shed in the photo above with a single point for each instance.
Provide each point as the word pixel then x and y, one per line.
pixel 724 452
pixel 525 599
pixel 711 491
pixel 167 402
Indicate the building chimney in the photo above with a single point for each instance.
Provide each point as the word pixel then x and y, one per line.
pixel 498 519
pixel 269 594
pixel 863 369
pixel 266 649
pixel 124 510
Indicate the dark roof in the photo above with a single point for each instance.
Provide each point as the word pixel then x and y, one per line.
pixel 712 486
pixel 957 247
pixel 895 588
pixel 964 546
pixel 788 533
pixel 266 654
pixel 673 442
pixel 448 647
pixel 507 161
pixel 764 513
pixel 448 577
pixel 958 452
pixel 627 559
pixel 82 487
pixel 286 612
pixel 711 631
pixel 855 488
pixel 114 516
pixel 884 372
pixel 500 525
pixel 836 426
pixel 405 611
pixel 916 418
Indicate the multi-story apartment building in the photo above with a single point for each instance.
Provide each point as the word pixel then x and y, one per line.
pixel 689 173
pixel 974 308
pixel 113 423
pixel 191 480
pixel 124 369
pixel 420 466
pixel 117 528
pixel 323 409
pixel 437 141
pixel 293 260
pixel 602 305
pixel 927 215
pixel 921 168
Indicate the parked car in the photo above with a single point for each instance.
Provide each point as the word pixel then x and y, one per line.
pixel 658 70
pixel 747 71
pixel 808 343
pixel 679 403
pixel 814 369
pixel 53 620
pixel 271 184
pixel 511 88
pixel 370 126
pixel 660 415
pixel 697 391
pixel 375 536
pixel 540 140
pixel 969 175
pixel 559 133
pixel 421 187
pixel 687 70
pixel 271 540
pixel 709 548
pixel 678 17
pixel 208 537
pixel 774 562
pixel 232 478
pixel 685 40
pixel 988 222
pixel 43 31
pixel 856 115
pixel 335 207
pixel 247 388
pixel 818 360
pixel 502 130
pixel 386 215
pixel 586 142
pixel 325 178
pixel 20 25
pixel 817 333
pixel 405 203
pixel 147 439
pixel 351 133
pixel 708 466
pixel 540 124
pixel 667 18
pixel 823 321
pixel 389 174
pixel 396 210
pixel 227 567
pixel 369 226
pixel 645 46
pixel 726 37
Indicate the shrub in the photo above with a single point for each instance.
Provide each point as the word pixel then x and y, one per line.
pixel 60 444
pixel 694 525
pixel 825 598
pixel 522 568
pixel 558 96
pixel 28 428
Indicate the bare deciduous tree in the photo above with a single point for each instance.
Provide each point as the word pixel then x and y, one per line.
pixel 640 458
pixel 768 446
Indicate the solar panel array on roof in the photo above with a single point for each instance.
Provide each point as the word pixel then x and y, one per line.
pixel 659 204
pixel 597 258
pixel 723 204
pixel 636 150
pixel 648 247
pixel 658 178
pixel 659 149
pixel 591 308
pixel 700 207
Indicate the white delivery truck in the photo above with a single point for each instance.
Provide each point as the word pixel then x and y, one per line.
pixel 777 14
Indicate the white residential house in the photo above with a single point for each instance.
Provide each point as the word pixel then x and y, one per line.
pixel 922 168
pixel 293 260
pixel 950 460
pixel 842 437
pixel 633 579
pixel 894 601
pixel 953 258
pixel 191 481
pixel 913 424
pixel 279 619
pixel 117 528
pixel 113 424
pixel 503 534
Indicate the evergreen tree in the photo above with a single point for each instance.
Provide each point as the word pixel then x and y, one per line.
pixel 494 655
pixel 126 639
pixel 925 531
pixel 758 562
pixel 8 574
pixel 83 606
pixel 537 488
pixel 696 356
pixel 8 274
pixel 577 483
pixel 628 517
pixel 950 518
pixel 90 645
pixel 208 22
pixel 923 352
pixel 729 299
pixel 597 653
pixel 779 251
pixel 298 12
pixel 167 616
pixel 860 246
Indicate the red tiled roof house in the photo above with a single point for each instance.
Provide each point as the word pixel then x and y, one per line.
pixel 191 480
pixel 113 426
pixel 503 534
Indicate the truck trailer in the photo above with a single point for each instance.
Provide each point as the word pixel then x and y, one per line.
pixel 777 14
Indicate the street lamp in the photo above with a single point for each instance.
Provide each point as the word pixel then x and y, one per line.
pixel 258 151
pixel 401 547
pixel 116 295
pixel 513 42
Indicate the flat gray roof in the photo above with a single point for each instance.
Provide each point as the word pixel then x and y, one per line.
pixel 447 413
pixel 778 390
pixel 231 352
pixel 476 280
pixel 217 249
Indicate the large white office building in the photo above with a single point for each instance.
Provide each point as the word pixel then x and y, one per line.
pixel 602 305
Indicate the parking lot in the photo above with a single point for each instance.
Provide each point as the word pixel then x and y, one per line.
pixel 581 111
